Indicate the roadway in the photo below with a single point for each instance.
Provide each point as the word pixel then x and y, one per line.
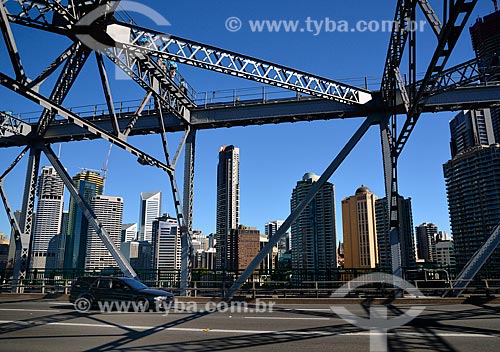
pixel 53 325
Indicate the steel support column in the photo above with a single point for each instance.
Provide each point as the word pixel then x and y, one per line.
pixel 22 257
pixel 391 191
pixel 273 241
pixel 189 164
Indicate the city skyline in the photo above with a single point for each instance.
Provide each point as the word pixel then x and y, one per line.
pixel 431 135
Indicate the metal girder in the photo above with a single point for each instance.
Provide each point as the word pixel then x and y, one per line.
pixel 431 16
pixel 89 214
pixel 392 195
pixel 107 92
pixel 477 261
pixel 204 56
pixel 399 37
pixel 252 114
pixel 11 126
pixel 137 114
pixel 67 78
pixel 10 214
pixel 23 243
pixel 459 76
pixel 80 122
pixel 189 164
pixel 40 14
pixel 186 245
pixel 152 78
pixel 459 15
pixel 53 66
pixel 273 241
pixel 11 44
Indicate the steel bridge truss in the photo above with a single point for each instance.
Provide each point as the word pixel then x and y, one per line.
pixel 145 56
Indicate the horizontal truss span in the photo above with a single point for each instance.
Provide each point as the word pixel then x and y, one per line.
pixel 259 113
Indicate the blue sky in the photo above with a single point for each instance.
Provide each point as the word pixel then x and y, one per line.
pixel 273 158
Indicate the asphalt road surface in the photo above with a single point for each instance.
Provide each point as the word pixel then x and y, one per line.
pixel 50 325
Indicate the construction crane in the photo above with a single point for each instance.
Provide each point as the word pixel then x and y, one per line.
pixel 495 3
pixel 105 168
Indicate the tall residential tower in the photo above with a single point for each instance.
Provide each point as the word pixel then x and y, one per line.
pixel 313 234
pixel 228 200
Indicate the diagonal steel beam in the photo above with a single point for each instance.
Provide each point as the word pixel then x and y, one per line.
pixel 56 109
pixel 476 262
pixel 10 214
pixel 89 213
pixel 8 36
pixel 67 78
pixel 107 92
pixel 431 16
pixel 133 120
pixel 273 241
pixel 459 16
pixel 53 66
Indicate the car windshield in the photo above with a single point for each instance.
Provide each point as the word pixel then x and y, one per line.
pixel 136 285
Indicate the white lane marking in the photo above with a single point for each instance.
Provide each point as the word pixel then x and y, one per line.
pixel 322 333
pixel 283 318
pixel 28 310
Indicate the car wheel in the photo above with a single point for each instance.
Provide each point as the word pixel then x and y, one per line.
pixel 83 304
pixel 142 304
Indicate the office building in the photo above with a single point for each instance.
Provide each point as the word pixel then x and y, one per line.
pixel 359 226
pixel 88 184
pixel 284 244
pixel 406 234
pixel 166 243
pixel 138 253
pixel 4 250
pixel 426 241
pixel 48 219
pixel 228 201
pixel 445 254
pixel 109 211
pixel 129 232
pixel 61 243
pixel 313 234
pixel 149 212
pixel 243 246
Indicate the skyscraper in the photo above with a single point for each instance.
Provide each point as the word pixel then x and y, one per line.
pixel 48 219
pixel 109 211
pixel 485 35
pixel 88 184
pixel 129 232
pixel 406 235
pixel 426 241
pixel 472 177
pixel 166 242
pixel 150 210
pixel 473 190
pixel 359 225
pixel 313 233
pixel 228 200
pixel 469 129
pixel 284 244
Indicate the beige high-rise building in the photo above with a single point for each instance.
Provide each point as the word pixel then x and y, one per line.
pixel 359 227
